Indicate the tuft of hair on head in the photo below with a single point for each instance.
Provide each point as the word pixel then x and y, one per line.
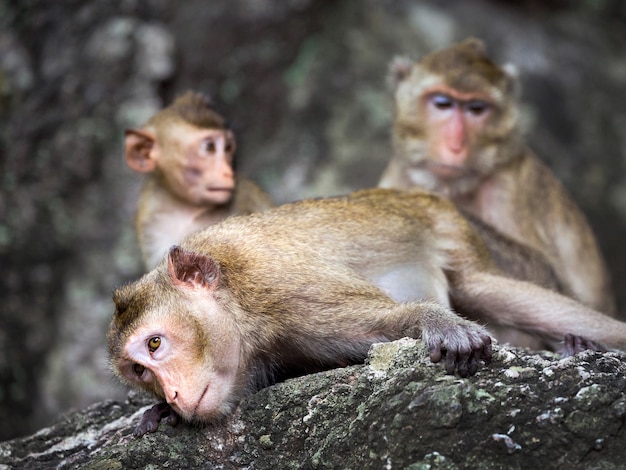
pixel 198 109
pixel 192 107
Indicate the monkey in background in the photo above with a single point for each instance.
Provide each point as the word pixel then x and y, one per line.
pixel 456 131
pixel 313 284
pixel 187 152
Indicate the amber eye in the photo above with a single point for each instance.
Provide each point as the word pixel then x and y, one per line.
pixel 154 343
pixel 138 369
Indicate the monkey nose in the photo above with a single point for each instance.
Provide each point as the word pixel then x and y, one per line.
pixel 171 397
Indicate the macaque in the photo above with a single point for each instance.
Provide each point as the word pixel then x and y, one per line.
pixel 187 151
pixel 457 132
pixel 515 259
pixel 311 285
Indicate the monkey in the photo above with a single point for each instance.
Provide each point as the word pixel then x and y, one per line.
pixel 311 285
pixel 187 151
pixel 514 259
pixel 457 131
pixel 524 263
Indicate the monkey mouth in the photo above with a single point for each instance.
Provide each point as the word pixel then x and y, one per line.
pixel 197 407
pixel 445 171
pixel 220 189
pixel 219 194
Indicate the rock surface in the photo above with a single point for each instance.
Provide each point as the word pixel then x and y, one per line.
pixel 396 411
pixel 303 83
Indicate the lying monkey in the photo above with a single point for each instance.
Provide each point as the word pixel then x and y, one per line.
pixel 313 284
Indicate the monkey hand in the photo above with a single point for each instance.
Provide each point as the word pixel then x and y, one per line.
pixel 465 344
pixel 573 344
pixel 153 416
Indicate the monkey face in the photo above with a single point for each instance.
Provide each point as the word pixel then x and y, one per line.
pixel 197 164
pixel 182 349
pixel 456 120
pixel 450 140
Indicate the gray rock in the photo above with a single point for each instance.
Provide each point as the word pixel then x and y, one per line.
pixel 303 83
pixel 396 411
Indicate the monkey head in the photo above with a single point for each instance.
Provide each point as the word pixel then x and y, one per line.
pixel 171 337
pixel 190 148
pixel 455 117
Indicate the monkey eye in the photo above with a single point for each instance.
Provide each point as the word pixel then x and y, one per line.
pixel 210 146
pixel 229 147
pixel 138 369
pixel 154 343
pixel 477 107
pixel 442 101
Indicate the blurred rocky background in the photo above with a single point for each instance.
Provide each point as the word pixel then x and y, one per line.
pixel 304 85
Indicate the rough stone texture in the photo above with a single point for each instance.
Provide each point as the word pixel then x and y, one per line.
pixel 397 411
pixel 303 82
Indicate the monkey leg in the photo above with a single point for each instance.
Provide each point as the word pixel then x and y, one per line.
pixel 503 301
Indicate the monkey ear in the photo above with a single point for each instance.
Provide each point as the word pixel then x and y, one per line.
pixel 512 76
pixel 511 70
pixel 192 270
pixel 399 69
pixel 138 146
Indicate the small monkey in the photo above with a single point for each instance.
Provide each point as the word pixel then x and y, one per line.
pixel 312 284
pixel 187 150
pixel 457 132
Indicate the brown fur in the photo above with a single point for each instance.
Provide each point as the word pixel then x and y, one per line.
pixel 500 182
pixel 193 108
pixel 174 201
pixel 162 219
pixel 313 284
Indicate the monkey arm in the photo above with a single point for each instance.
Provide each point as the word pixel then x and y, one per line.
pixel 516 259
pixel 346 332
pixel 566 235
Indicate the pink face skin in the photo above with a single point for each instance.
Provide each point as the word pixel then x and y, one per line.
pixel 163 357
pixel 454 118
pixel 197 164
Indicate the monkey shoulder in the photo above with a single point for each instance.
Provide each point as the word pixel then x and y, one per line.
pixel 249 197
pixel 549 199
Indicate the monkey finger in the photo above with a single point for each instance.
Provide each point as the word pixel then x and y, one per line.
pixel 486 351
pixel 464 362
pixel 452 360
pixel 151 418
pixel 473 364
pixel 435 353
pixel 173 419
